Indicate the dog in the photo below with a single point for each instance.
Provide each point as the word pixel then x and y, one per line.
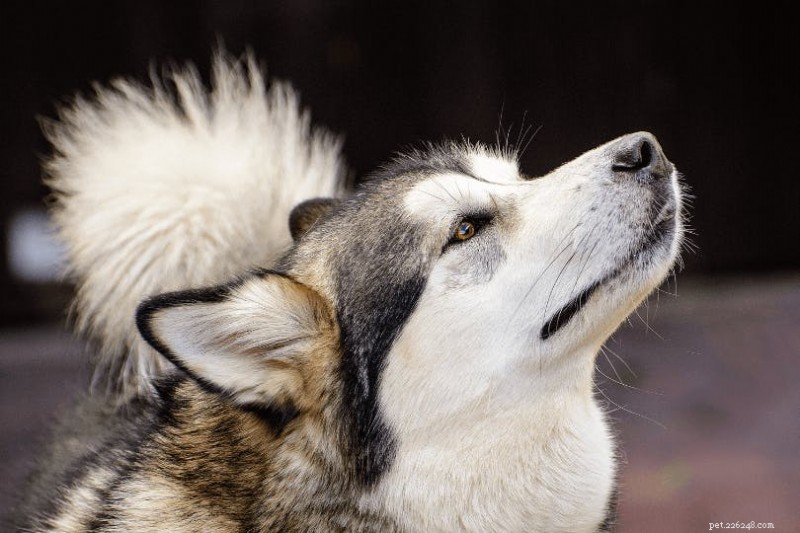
pixel 275 353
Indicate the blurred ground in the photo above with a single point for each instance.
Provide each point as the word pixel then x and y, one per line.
pixel 708 421
pixel 714 433
pixel 41 371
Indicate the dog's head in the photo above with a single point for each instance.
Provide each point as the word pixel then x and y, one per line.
pixel 446 283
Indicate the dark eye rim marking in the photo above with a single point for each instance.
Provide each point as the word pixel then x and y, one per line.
pixel 476 222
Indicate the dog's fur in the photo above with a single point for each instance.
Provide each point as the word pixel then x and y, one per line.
pixel 417 357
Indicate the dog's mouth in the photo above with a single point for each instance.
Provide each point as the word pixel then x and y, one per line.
pixel 663 229
pixel 562 317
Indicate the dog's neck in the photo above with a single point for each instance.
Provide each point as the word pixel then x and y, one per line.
pixel 544 464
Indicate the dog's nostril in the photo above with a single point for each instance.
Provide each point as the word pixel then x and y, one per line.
pixel 637 157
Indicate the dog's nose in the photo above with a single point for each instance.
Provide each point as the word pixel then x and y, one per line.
pixel 640 156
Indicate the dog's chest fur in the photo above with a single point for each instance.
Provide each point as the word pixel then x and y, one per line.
pixel 195 459
pixel 521 472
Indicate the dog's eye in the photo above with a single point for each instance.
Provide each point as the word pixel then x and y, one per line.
pixel 466 230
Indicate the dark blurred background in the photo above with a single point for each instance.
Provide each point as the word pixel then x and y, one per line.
pixel 715 81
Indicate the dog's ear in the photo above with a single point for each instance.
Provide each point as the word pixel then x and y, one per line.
pixel 248 341
pixel 306 214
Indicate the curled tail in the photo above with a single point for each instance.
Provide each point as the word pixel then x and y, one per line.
pixel 162 189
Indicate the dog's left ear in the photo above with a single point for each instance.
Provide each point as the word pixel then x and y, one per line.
pixel 247 341
pixel 306 214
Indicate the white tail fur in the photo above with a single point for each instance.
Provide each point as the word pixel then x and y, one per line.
pixel 159 189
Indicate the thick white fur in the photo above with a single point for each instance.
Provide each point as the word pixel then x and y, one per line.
pixel 160 189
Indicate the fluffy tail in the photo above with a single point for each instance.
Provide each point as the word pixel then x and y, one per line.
pixel 161 189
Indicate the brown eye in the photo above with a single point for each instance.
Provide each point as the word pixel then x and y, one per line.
pixel 465 230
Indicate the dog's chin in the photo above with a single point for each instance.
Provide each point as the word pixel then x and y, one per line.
pixel 629 282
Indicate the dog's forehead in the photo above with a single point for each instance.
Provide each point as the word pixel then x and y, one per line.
pixel 445 194
pixel 416 189
pixel 493 167
pixel 475 160
pixel 440 179
pixel 441 196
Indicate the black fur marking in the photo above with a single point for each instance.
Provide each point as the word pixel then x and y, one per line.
pixel 565 314
pixel 380 278
pixel 366 341
pixel 657 235
pixel 169 401
pixel 277 417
